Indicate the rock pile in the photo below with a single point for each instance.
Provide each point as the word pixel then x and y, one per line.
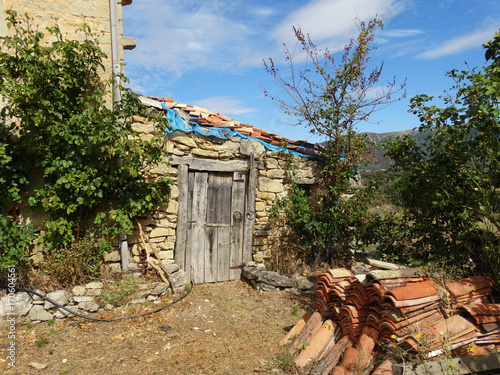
pixel 270 281
pixel 83 299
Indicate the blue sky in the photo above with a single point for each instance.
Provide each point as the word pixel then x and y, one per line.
pixel 209 52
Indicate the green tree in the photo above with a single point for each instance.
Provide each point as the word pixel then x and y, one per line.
pixel 55 121
pixel 330 99
pixel 449 182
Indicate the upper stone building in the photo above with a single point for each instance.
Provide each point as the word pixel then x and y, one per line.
pixel 71 15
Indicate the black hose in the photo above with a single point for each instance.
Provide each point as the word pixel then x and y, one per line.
pixel 98 319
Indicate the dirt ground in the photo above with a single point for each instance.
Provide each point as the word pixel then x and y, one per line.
pixel 223 328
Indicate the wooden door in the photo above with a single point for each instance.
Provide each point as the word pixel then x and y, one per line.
pixel 215 225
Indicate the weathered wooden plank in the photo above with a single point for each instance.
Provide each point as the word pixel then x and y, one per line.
pixel 384 265
pixel 460 365
pixel 189 226
pixel 211 199
pixel 237 223
pixel 396 274
pixel 219 198
pixel 198 234
pixel 180 243
pixel 209 165
pixel 223 252
pixel 249 210
pixel 211 254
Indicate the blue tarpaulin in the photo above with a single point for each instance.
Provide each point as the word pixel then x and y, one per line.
pixel 178 123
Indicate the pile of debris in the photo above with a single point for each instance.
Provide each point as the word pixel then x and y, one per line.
pixel 369 322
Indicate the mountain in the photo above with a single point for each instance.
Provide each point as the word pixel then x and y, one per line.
pixel 380 161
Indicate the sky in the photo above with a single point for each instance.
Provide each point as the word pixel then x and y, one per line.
pixel 210 52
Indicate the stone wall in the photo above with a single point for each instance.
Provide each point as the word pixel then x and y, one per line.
pixel 85 299
pixel 70 15
pixel 272 184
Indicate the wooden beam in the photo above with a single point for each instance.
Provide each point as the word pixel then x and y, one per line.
pixel 198 164
pixel 384 265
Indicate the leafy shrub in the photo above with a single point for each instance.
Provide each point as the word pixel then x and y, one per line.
pixel 120 292
pixel 57 122
pixel 75 263
pixel 449 184
pixel 15 240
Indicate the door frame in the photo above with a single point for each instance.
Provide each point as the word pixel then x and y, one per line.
pixel 190 163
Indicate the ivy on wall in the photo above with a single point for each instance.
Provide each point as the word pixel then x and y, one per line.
pixel 55 122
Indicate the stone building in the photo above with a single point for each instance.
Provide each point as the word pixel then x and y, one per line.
pixel 71 15
pixel 227 176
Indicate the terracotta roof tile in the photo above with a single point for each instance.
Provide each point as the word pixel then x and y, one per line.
pixel 404 311
pixel 426 288
pixel 320 339
pixel 207 118
pixel 385 368
pixel 312 326
pixel 296 329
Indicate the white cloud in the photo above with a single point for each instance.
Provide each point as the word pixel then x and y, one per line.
pixel 401 33
pixel 333 23
pixel 232 35
pixel 460 44
pixel 224 105
pixel 263 11
pixel 185 35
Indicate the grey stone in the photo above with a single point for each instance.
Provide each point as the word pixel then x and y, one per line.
pixel 94 292
pixel 172 268
pixel 159 289
pixel 275 279
pixel 37 298
pixel 78 290
pixel 151 298
pixel 94 285
pixel 303 283
pixel 60 296
pixel 24 303
pixel 61 314
pixel 114 256
pixel 179 278
pixel 160 215
pixel 88 306
pixel 37 312
pixel 248 147
pixel 258 275
pixel 79 299
pixel 263 287
pixel 360 268
pixel 2 310
pixel 108 307
pixel 21 304
pixel 142 293
pixel 252 272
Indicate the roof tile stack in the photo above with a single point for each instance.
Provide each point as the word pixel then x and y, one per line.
pixel 403 308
